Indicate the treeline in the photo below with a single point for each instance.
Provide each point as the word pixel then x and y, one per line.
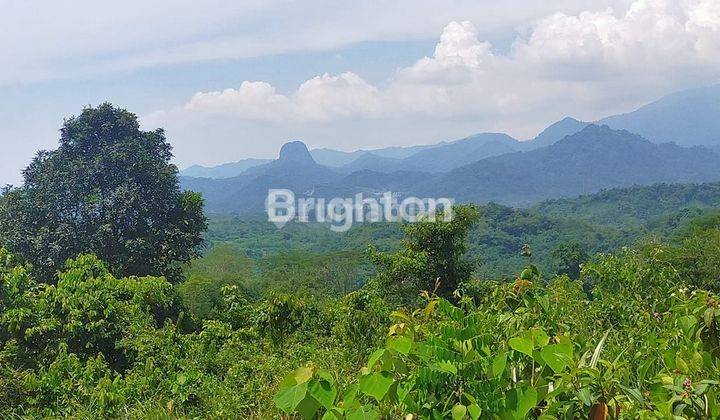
pixel 93 345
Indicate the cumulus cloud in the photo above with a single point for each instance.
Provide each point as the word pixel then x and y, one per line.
pixel 320 99
pixel 564 62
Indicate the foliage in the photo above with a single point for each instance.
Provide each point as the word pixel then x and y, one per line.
pixel 568 258
pixel 541 352
pixel 432 256
pixel 110 190
pixel 222 266
pixel 602 222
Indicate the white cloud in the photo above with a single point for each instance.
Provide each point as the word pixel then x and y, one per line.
pixel 320 99
pixel 47 39
pixel 566 62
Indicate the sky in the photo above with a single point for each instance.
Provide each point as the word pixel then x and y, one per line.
pixel 230 80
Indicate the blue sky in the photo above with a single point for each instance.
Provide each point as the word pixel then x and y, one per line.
pixel 230 80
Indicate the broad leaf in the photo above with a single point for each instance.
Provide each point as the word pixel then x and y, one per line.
pixel 288 399
pixel 498 364
pixel 474 411
pixel 376 384
pixel 400 344
pixel 323 392
pixel 458 412
pixel 522 344
pixel 521 401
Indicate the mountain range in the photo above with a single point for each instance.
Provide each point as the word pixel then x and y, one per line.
pixel 568 158
pixel 688 118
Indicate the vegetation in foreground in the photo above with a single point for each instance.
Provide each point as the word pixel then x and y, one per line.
pixel 629 334
pixel 635 336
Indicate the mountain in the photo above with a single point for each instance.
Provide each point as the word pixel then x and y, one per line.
pixel 336 158
pixel 588 161
pixel 372 162
pixel 688 118
pixel 441 157
pixel 591 160
pixel 555 132
pixel 226 170
pixel 295 169
pixel 445 157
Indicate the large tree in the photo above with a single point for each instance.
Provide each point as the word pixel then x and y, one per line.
pixel 109 189
pixel 432 256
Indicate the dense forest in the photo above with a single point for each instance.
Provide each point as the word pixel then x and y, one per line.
pixel 121 298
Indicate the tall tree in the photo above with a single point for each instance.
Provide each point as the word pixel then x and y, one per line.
pixel 432 257
pixel 109 189
pixel 568 258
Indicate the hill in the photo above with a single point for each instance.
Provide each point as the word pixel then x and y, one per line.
pixel 337 158
pixel 689 118
pixel 445 157
pixel 555 132
pixel 294 169
pixel 226 170
pixel 591 160
pixel 634 205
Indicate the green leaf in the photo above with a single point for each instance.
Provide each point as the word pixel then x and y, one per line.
pixel 363 413
pixel 323 392
pixel 376 384
pixel 474 410
pixel 181 379
pixel 521 401
pixel 374 357
pixel 350 396
pixel 445 367
pixel 308 408
pixel 598 349
pixel 458 412
pixel 498 364
pixel 585 396
pixel 303 374
pixel 521 344
pixel 687 323
pixel 289 399
pixel 334 414
pixel 400 344
pixel 540 337
pixel 557 356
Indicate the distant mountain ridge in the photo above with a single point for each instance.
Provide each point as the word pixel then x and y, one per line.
pixel 593 159
pixel 688 118
pixel 555 132
pixel 226 170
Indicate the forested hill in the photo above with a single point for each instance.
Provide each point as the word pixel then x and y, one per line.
pixel 599 222
pixel 593 159
pixel 635 205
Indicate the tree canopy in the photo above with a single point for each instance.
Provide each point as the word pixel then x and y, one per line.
pixel 109 189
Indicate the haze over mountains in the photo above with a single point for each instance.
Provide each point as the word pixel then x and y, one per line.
pixel 568 158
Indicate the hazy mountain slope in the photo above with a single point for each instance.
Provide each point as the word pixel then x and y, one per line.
pixel 554 133
pixel 461 152
pixel 295 170
pixel 595 158
pixel 334 158
pixel 690 117
pixel 372 162
pixel 226 170
pixel 337 158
